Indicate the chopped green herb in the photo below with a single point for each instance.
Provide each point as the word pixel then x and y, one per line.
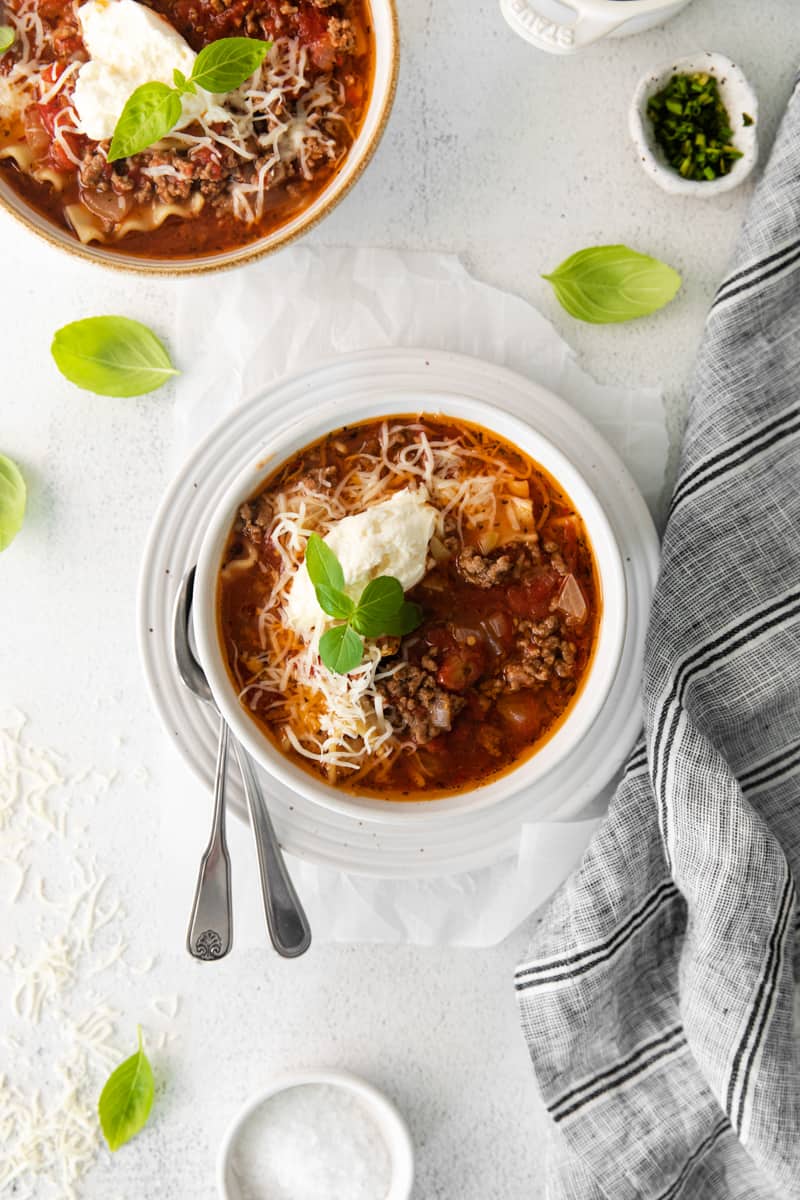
pixel 692 127
pixel 381 609
pixel 747 119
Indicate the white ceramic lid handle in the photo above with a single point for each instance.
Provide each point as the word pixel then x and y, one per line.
pixel 542 31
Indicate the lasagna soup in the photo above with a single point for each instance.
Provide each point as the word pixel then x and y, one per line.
pixel 488 546
pixel 235 167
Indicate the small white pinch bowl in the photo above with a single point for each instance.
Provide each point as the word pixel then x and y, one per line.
pixel 737 96
pixel 386 1117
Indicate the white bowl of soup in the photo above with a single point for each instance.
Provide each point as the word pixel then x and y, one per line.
pixel 517 591
pixel 253 170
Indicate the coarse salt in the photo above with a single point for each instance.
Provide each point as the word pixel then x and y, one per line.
pixel 311 1142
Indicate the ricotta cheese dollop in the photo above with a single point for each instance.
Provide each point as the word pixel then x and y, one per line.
pixel 391 538
pixel 129 45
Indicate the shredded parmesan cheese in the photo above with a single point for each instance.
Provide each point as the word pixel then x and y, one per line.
pixel 61 1036
pixel 335 720
pixel 278 122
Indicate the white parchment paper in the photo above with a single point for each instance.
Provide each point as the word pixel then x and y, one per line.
pixel 305 305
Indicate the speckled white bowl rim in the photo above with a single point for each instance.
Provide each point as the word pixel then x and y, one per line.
pixel 738 97
pixel 386 1116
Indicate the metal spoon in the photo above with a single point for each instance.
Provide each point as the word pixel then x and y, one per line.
pixel 287 923
pixel 210 932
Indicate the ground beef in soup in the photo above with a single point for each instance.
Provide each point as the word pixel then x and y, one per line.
pixel 541 651
pixel 255 518
pixel 484 570
pixel 419 705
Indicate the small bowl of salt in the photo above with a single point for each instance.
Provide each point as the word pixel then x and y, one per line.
pixel 317 1135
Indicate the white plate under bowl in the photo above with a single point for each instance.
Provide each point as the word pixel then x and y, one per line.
pixel 394 847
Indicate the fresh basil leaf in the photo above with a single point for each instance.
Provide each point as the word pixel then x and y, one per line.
pixel 333 602
pixel 13 494
pixel 182 84
pixel 381 600
pixel 149 114
pixel 608 284
pixel 7 36
pixel 341 650
pixel 111 356
pixel 224 65
pixel 322 564
pixel 409 617
pixel 126 1099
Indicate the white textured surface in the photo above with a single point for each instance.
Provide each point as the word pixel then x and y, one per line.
pixel 514 160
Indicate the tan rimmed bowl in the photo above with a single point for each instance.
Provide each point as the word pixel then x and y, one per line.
pixel 597 683
pixel 387 59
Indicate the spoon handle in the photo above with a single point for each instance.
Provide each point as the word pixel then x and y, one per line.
pixel 287 923
pixel 211 923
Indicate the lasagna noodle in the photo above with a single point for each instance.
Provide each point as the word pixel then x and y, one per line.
pixel 58 179
pixel 88 227
pixel 20 153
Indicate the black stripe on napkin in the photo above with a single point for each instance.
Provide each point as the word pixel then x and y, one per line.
pixel 754 283
pixel 755 1008
pixel 766 990
pixel 645 1048
pixel 550 972
pixel 713 652
pixel 639 1069
pixel 771 768
pixel 675 1187
pixel 687 483
pixel 637 760
pixel 749 452
pixel 754 269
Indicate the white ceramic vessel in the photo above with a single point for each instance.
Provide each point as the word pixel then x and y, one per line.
pixel 384 842
pixel 322 419
pixel 387 52
pixel 569 26
pixel 739 99
pixel 386 1117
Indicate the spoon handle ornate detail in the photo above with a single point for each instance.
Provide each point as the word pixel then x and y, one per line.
pixel 211 924
pixel 288 925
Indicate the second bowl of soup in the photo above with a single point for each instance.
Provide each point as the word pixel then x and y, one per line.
pixel 512 618
pixel 230 175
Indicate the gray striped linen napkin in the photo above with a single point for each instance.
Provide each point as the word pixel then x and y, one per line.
pixel 658 993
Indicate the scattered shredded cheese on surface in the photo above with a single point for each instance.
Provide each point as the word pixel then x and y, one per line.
pixel 58 1030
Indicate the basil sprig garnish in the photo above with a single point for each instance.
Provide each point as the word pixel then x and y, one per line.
pixel 381 610
pixel 127 1098
pixel 13 497
pixel 154 109
pixel 609 284
pixel 7 36
pixel 111 356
